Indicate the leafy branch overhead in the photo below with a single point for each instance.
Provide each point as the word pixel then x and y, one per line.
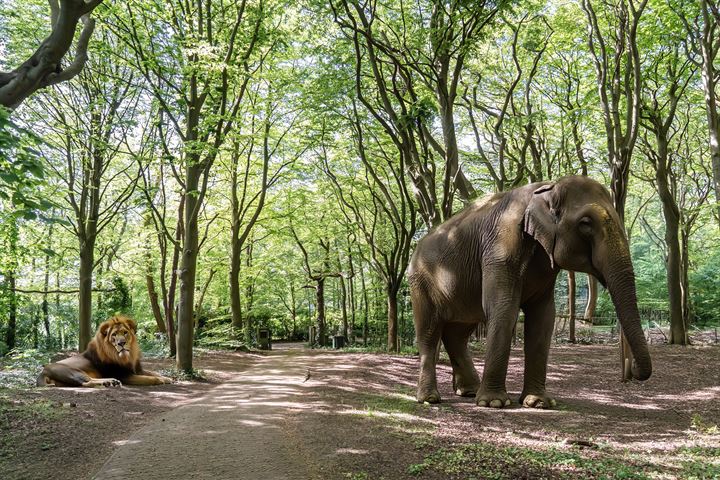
pixel 46 66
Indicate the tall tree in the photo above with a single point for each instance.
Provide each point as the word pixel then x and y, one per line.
pixel 93 118
pixel 381 206
pixel 205 53
pixel 670 75
pixel 614 49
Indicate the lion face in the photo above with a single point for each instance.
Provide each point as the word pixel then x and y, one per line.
pixel 118 333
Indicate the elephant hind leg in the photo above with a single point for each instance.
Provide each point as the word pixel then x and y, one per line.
pixel 465 378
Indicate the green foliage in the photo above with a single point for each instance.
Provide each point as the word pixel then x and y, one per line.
pixel 705 293
pixel 119 299
pixel 20 368
pixel 21 169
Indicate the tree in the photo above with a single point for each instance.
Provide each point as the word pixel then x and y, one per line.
pixel 503 104
pixel 381 206
pixel 93 117
pixel 703 27
pixel 44 67
pixel 415 58
pixel 616 58
pixel 206 54
pixel 671 76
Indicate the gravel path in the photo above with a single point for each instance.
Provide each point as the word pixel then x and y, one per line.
pixel 235 431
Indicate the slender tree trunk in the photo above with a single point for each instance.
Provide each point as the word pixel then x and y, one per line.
pixel 87 263
pixel 11 333
pixel 709 76
pixel 188 268
pixel 343 304
pixel 46 287
pixel 392 318
pixel 170 303
pixel 61 328
pixel 592 298
pixel 249 295
pixel 154 304
pixel 678 327
pixel 235 300
pixel 366 307
pixel 293 311
pixel 320 302
pixel 684 279
pixel 571 304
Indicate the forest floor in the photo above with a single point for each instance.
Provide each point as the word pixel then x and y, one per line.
pixel 318 414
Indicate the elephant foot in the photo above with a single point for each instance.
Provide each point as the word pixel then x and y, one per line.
pixel 537 401
pixel 492 399
pixel 466 391
pixel 465 388
pixel 428 396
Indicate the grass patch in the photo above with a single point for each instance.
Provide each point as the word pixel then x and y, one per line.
pixel 406 351
pixel 393 403
pixel 490 461
pixel 700 425
pixel 193 375
pixel 36 410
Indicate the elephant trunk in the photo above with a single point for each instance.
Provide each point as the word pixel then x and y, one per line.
pixel 620 281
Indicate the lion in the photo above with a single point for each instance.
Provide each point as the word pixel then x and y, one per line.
pixel 111 359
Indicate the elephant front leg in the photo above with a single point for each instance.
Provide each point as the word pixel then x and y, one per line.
pixel 501 308
pixel 539 323
pixel 465 378
pixel 428 340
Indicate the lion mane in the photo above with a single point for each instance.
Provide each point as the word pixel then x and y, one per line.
pixel 112 358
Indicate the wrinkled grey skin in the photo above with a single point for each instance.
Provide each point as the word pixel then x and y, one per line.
pixel 502 254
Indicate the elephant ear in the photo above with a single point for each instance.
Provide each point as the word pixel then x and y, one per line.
pixel 541 219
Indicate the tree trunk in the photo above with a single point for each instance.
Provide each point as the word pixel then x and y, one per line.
pixel 235 300
pixel 154 304
pixel 87 263
pixel 592 298
pixel 170 302
pixel 188 269
pixel 343 304
pixel 709 79
pixel 320 301
pixel 11 333
pixel 571 304
pixel 392 318
pixel 46 286
pixel 678 327
pixel 366 307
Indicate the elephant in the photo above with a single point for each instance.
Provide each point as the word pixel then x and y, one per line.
pixel 502 254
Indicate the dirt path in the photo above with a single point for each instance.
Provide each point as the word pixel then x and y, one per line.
pixel 234 431
pixel 321 414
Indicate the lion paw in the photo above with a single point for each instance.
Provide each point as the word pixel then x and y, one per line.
pixel 103 382
pixel 166 380
pixel 498 399
pixel 111 382
pixel 537 401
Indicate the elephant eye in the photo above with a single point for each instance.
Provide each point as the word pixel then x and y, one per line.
pixel 585 225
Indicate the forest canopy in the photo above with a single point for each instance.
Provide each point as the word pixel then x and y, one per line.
pixel 215 167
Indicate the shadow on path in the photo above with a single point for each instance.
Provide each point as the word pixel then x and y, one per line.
pixel 235 431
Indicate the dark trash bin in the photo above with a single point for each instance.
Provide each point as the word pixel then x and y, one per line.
pixel 264 339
